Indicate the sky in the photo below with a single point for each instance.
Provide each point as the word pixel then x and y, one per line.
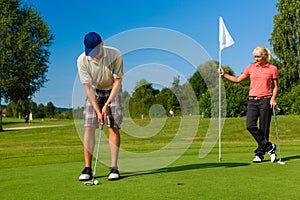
pixel 159 39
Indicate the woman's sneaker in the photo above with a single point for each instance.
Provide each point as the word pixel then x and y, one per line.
pixel 272 153
pixel 86 174
pixel 258 159
pixel 113 174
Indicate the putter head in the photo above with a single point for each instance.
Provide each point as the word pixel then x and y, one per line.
pixel 281 162
pixel 89 183
pixel 93 182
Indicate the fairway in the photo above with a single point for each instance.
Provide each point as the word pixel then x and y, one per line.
pixel 44 163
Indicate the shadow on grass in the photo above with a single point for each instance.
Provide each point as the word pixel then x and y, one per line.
pixel 192 167
pixel 291 158
pixel 12 122
pixel 183 168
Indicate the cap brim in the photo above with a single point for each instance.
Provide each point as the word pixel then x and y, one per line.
pixel 92 52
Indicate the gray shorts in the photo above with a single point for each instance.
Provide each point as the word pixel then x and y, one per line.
pixel 115 113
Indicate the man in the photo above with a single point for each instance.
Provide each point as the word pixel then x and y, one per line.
pixel 100 70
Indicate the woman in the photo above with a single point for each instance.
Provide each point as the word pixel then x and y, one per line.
pixel 261 100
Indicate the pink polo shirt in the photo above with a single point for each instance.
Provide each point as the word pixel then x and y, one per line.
pixel 260 78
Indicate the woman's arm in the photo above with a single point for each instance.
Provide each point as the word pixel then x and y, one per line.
pixel 232 78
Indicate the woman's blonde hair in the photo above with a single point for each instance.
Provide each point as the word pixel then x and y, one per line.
pixel 265 51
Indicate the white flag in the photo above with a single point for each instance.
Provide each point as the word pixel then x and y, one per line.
pixel 225 39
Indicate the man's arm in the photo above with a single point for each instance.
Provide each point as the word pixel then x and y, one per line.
pixel 114 92
pixel 90 92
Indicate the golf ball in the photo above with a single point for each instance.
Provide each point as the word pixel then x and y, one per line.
pixel 96 182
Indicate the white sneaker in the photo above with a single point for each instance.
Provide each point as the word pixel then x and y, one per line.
pixel 84 177
pixel 86 174
pixel 257 159
pixel 273 157
pixel 113 174
pixel 272 153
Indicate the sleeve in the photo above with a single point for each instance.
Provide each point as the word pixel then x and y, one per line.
pixel 275 73
pixel 118 71
pixel 247 71
pixel 83 71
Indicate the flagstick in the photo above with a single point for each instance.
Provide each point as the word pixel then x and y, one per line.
pixel 220 158
pixel 225 40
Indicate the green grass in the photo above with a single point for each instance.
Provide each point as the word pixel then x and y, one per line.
pixel 44 163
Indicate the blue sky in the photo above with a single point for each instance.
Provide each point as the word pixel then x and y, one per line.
pixel 250 23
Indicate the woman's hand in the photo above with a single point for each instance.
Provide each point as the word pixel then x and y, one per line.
pixel 273 103
pixel 221 71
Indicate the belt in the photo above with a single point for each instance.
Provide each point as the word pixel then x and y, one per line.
pixel 258 98
pixel 98 91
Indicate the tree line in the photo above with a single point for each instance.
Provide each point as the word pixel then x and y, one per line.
pixel 180 99
pixel 21 109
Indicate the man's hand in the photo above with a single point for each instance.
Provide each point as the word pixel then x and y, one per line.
pixel 105 110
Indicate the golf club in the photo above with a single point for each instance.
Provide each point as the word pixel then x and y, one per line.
pixel 277 137
pixel 95 182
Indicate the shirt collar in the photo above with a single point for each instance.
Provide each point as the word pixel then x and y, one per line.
pixel 264 66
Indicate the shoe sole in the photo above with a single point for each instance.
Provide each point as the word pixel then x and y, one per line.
pixel 257 161
pixel 114 179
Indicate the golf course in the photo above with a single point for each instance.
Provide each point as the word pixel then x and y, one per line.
pixel 43 161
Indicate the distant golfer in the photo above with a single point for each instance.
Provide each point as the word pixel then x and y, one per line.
pixel 100 70
pixel 261 100
pixel 30 118
pixel 171 112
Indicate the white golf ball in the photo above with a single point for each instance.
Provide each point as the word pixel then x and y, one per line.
pixel 96 182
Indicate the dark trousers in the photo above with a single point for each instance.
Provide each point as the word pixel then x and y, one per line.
pixel 259 109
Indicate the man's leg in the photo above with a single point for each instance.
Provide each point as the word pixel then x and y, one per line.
pixel 114 121
pixel 114 144
pixel 88 145
pixel 88 148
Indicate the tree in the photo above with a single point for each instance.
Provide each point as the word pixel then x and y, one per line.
pixel 285 40
pixel 290 102
pixel 235 102
pixel 17 108
pixel 40 111
pixel 175 99
pixel 125 102
pixel 49 110
pixel 142 99
pixel 168 100
pixel 198 84
pixel 32 107
pixel 25 39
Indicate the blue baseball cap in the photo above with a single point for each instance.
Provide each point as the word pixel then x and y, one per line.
pixel 92 40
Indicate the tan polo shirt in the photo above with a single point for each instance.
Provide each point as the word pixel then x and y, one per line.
pixel 101 75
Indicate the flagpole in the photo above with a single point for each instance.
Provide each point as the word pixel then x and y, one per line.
pixel 225 40
pixel 220 102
